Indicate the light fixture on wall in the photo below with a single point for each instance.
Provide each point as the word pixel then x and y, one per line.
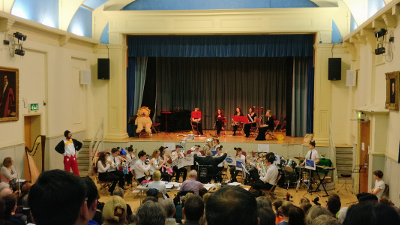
pixel 380 37
pixel 16 46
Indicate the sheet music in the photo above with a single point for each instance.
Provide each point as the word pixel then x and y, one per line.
pixel 186 161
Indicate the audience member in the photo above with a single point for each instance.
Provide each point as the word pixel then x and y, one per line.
pixel 377 191
pixel 342 214
pixel 58 197
pixel 192 184
pixel 371 213
pixel 385 200
pixel 169 208
pixel 92 195
pixel 205 198
pixel 266 216
pixel 296 216
pixel 158 184
pixel 193 209
pixel 8 171
pixel 304 199
pixel 277 204
pixel 202 191
pixel 150 213
pixel 242 208
pixel 325 220
pixel 114 211
pixel 24 210
pixel 9 212
pixel 264 201
pixel 120 192
pixel 333 204
pixel 284 210
pixel 4 185
pixel 314 212
pixel 150 198
pixel 305 206
pixel 24 191
pixel 5 192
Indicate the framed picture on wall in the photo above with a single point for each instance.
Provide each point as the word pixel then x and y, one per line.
pixel 9 94
pixel 392 90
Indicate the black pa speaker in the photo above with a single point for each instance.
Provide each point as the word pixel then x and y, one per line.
pixel 103 69
pixel 335 69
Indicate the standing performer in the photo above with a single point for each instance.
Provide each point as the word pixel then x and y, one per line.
pixel 252 116
pixel 268 126
pixel 197 122
pixel 234 170
pixel 219 120
pixel 238 112
pixel 68 148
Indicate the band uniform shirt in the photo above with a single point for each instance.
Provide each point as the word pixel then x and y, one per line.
pixel 114 163
pixel 223 162
pixel 130 159
pixel 101 168
pixel 271 176
pixel 175 158
pixel 69 148
pixel 140 169
pixel 312 154
pixel 242 159
pixel 154 166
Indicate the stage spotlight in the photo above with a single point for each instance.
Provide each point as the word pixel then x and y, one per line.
pixel 20 36
pixel 20 51
pixel 380 33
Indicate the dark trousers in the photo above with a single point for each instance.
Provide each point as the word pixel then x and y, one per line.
pixel 109 177
pixel 199 127
pixel 247 127
pixel 219 124
pixel 141 179
pixel 128 178
pixel 235 127
pixel 178 172
pixel 120 176
pixel 261 133
pixel 259 184
pixel 233 172
pixel 165 177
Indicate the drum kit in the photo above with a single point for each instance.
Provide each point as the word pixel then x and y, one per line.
pixel 290 172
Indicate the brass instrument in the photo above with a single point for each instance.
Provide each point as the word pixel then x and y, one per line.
pixel 262 171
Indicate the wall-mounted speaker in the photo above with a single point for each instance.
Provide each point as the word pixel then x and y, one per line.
pixel 103 69
pixel 351 78
pixel 335 69
pixel 86 77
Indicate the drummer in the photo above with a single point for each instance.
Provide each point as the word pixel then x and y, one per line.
pixel 312 154
pixel 268 180
pixel 234 170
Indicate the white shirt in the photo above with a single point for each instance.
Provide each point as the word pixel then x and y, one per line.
pixel 154 167
pixel 101 168
pixel 272 174
pixel 174 157
pixel 379 184
pixel 69 148
pixel 159 185
pixel 140 168
pixel 130 159
pixel 222 163
pixel 114 163
pixel 242 159
pixel 313 154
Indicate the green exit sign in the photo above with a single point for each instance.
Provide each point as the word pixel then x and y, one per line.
pixel 34 107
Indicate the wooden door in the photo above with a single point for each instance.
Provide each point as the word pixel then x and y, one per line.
pixel 364 155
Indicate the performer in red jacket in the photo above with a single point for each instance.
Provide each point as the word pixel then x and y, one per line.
pixel 68 148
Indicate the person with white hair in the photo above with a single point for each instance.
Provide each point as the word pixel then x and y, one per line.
pixel 170 210
pixel 192 184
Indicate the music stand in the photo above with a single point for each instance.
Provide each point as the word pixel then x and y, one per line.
pixel 240 119
pixel 196 115
pixel 166 123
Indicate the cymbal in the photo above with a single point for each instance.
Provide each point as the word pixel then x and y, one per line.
pixel 289 169
pixel 299 158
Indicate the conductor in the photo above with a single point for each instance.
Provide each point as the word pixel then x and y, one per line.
pixel 211 161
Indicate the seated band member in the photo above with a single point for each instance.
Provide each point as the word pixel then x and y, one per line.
pixel 252 116
pixel 312 154
pixel 165 176
pixel 141 168
pixel 268 180
pixel 102 166
pixel 238 112
pixel 176 156
pixel 197 122
pixel 268 126
pixel 195 151
pixel 115 162
pixel 156 164
pixel 209 146
pixel 221 165
pixel 378 189
pixel 219 120
pixel 216 144
pixel 209 160
pixel 234 170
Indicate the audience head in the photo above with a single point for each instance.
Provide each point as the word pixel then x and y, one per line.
pixel 92 195
pixel 205 198
pixel 58 197
pixel 371 213
pixel 157 175
pixel 284 209
pixel 10 205
pixel 26 188
pixel 333 204
pixel 325 220
pixel 378 173
pixel 242 208
pixel 202 191
pixel 118 192
pixel 296 216
pixel 193 174
pixel 150 198
pixel 305 206
pixel 277 204
pixel 314 212
pixel 385 200
pixel 169 207
pixel 7 162
pixel 114 210
pixel 304 199
pixel 193 208
pixel 150 213
pixel 264 202
pixel 266 216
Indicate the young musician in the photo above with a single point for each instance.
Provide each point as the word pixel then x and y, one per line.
pixel 268 126
pixel 195 151
pixel 252 116
pixel 164 169
pixel 238 112
pixel 268 180
pixel 141 168
pixel 176 156
pixel 312 154
pixel 216 145
pixel 219 118
pixel 221 165
pixel 115 162
pixel 102 167
pixel 234 170
pixel 209 145
pixel 197 122
pixel 68 148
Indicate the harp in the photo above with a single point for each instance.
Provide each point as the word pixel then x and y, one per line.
pixel 34 157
